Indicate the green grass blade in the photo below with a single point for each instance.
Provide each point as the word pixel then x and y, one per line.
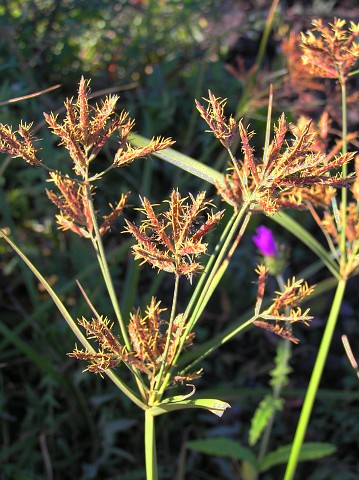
pixel 182 161
pixel 223 447
pixel 213 405
pixel 309 451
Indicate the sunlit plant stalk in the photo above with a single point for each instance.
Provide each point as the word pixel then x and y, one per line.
pixel 336 68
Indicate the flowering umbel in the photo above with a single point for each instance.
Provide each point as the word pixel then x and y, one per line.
pixel 148 337
pixel 282 177
pixel 19 143
pixel 284 310
pixel 172 240
pixel 83 132
pixel 331 51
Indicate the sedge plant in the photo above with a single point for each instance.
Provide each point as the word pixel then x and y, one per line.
pixel 171 239
pixel 330 52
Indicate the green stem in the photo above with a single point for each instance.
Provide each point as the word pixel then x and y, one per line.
pixel 344 192
pixel 169 336
pixel 209 281
pixel 314 381
pixel 101 257
pixel 276 394
pixel 102 260
pixel 208 288
pixel 150 447
pixel 208 269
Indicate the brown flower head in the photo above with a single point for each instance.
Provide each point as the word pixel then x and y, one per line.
pixel 282 177
pixel 223 129
pixel 74 206
pixel 330 51
pixel 284 311
pixel 85 130
pixel 19 143
pixel 330 225
pixel 299 79
pixel 172 240
pixel 147 334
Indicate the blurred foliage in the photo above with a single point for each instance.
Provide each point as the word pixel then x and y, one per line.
pixel 57 423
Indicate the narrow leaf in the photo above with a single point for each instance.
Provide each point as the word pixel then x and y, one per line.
pixel 182 161
pixel 211 404
pixel 223 447
pixel 309 451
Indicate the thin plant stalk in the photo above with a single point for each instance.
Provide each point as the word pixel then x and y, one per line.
pixel 169 334
pixel 314 382
pixel 344 191
pixel 150 447
pixel 332 319
pixel 203 293
pixel 101 256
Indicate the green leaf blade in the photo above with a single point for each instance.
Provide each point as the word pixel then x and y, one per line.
pixel 309 451
pixel 223 447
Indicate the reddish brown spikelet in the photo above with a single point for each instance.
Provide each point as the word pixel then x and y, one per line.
pixel 116 211
pixel 73 205
pixel 210 223
pixel 111 352
pixel 101 330
pixel 225 130
pixel 157 226
pixel 247 150
pixel 284 310
pixel 277 329
pixel 128 154
pixel 99 361
pixel 147 339
pixel 300 80
pixel 285 171
pixel 22 147
pixel 330 51
pixel 278 141
pixel 83 107
pixel 171 239
pixel 142 339
pixel 294 293
pixel 262 272
pixel 147 251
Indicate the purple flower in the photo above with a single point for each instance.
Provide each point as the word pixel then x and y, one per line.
pixel 265 242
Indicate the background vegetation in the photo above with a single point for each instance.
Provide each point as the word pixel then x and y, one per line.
pixel 55 421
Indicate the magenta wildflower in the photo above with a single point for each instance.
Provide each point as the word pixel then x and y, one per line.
pixel 265 242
